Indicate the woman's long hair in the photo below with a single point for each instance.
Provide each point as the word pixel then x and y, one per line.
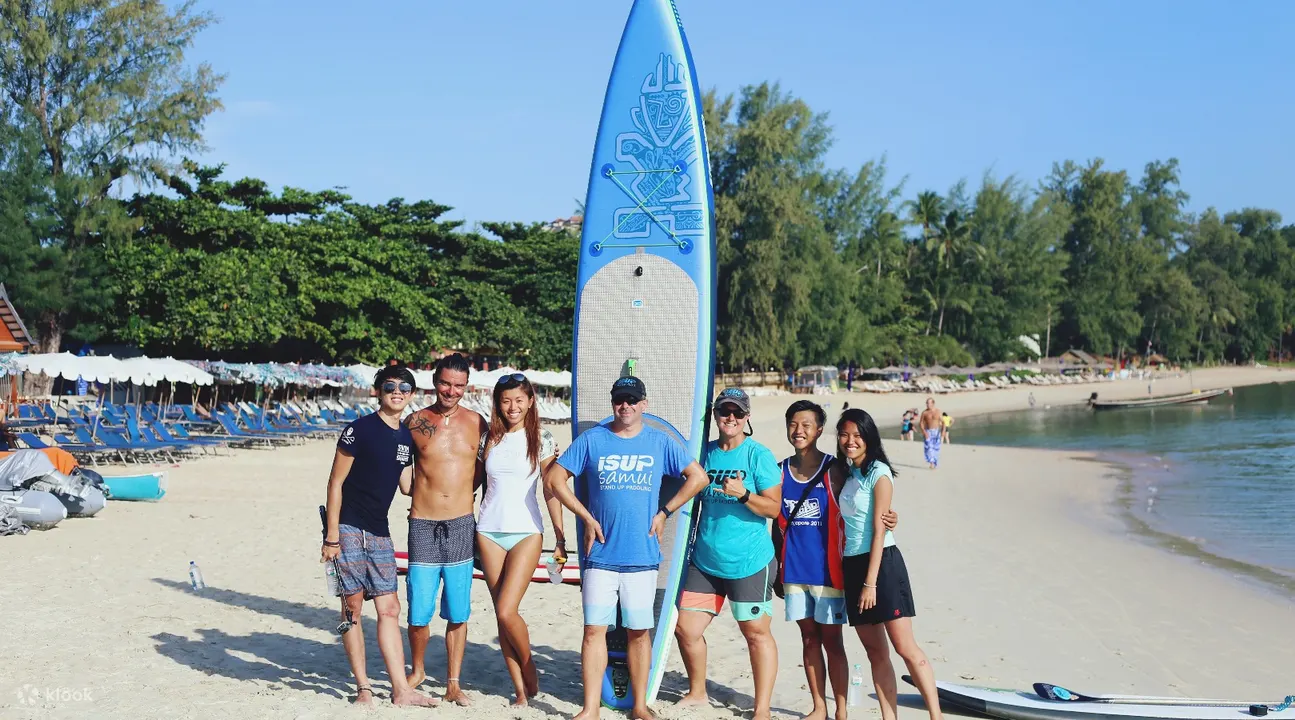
pixel 873 451
pixel 530 423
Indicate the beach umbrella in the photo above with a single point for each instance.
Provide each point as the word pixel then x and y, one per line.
pixel 892 369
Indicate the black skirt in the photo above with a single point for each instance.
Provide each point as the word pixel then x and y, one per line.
pixel 894 594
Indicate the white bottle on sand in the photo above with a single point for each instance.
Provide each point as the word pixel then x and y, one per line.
pixel 195 577
pixel 855 696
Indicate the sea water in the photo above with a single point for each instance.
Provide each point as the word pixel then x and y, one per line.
pixel 1221 475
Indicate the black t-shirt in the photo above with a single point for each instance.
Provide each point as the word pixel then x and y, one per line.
pixel 381 453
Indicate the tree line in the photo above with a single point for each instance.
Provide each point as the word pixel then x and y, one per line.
pixel 817 264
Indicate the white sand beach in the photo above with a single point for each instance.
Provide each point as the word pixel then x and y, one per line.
pixel 1023 566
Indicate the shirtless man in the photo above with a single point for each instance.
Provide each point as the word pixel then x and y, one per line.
pixel 932 425
pixel 442 529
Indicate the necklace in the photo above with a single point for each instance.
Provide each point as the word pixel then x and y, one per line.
pixel 446 417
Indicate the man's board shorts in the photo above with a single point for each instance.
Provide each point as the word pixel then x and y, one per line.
pixel 824 605
pixel 440 550
pixel 894 594
pixel 367 563
pixel 752 596
pixel 602 590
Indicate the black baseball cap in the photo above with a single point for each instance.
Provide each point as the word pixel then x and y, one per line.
pixel 734 396
pixel 630 387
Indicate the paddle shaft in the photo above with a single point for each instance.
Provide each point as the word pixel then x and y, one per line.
pixel 1042 689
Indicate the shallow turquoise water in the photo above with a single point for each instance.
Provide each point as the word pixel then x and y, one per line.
pixel 1222 474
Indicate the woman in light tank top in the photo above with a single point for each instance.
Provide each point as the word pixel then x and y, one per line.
pixel 879 599
pixel 510 529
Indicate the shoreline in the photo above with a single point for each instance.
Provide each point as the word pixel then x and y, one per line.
pixel 1128 497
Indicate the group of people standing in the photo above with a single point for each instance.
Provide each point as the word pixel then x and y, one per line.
pixel 831 554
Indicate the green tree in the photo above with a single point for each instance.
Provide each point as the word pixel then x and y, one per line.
pixel 104 86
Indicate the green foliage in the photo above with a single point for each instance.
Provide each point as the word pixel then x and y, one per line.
pixel 101 90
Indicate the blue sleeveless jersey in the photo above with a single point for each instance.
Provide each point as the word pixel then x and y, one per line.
pixel 807 536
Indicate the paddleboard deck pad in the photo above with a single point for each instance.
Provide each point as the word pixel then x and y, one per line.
pixel 1027 705
pixel 645 291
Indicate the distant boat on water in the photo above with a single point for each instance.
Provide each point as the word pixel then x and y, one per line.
pixel 1191 398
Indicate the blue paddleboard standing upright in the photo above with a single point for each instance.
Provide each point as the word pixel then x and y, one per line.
pixel 645 297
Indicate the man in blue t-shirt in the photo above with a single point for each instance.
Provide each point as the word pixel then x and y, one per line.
pixel 374 457
pixel 620 465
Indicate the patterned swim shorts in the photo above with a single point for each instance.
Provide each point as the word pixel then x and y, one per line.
pixel 367 563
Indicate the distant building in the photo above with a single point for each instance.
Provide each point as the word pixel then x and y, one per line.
pixel 571 224
pixel 13 334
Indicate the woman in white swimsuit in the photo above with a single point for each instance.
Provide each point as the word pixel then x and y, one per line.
pixel 510 529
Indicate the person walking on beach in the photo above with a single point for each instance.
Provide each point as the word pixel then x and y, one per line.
pixel 510 528
pixel 442 529
pixel 733 555
pixel 619 466
pixel 808 538
pixel 372 459
pixel 931 424
pixel 906 424
pixel 879 597
pixel 946 423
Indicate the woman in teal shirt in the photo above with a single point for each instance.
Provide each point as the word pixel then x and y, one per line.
pixel 878 597
pixel 733 555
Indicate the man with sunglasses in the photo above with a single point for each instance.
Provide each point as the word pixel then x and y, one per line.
pixel 619 466
pixel 442 529
pixel 373 458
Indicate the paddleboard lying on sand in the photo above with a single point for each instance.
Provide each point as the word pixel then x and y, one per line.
pixel 36 509
pixel 149 486
pixel 1028 705
pixel 645 286
pixel 570 571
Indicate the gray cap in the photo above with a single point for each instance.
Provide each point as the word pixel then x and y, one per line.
pixel 736 397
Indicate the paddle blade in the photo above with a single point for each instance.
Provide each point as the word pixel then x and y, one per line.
pixel 1048 691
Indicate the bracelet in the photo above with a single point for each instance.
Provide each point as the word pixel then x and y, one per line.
pixel 328 543
pixel 874 587
pixel 745 497
pixel 665 509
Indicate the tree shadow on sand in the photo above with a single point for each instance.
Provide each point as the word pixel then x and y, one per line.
pixel 308 665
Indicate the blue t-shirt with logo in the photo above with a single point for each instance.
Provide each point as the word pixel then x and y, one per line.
pixel 619 480
pixel 732 541
pixel 380 454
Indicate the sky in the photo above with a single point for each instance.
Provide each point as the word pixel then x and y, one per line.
pixel 491 107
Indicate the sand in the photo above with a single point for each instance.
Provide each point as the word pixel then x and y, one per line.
pixel 1023 564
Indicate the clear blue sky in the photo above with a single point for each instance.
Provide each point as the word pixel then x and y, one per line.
pixel 492 106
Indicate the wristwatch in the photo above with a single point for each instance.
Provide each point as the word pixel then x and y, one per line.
pixel 667 512
pixel 745 497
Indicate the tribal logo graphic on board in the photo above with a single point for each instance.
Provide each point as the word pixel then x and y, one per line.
pixel 660 149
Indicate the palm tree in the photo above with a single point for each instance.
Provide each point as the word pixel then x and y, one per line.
pixel 926 211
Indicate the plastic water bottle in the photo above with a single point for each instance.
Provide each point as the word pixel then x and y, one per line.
pixel 330 578
pixel 195 577
pixel 555 570
pixel 855 697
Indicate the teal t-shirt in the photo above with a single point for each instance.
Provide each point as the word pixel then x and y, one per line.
pixel 732 541
pixel 856 508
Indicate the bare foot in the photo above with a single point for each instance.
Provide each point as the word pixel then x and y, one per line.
pixel 415 679
pixel 519 702
pixel 587 714
pixel 364 696
pixel 819 713
pixel 760 715
pixel 412 698
pixel 455 694
pixel 842 711
pixel 691 700
pixel 642 714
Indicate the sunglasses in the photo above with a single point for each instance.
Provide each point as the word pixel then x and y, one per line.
pixel 726 411
pixel 392 386
pixel 624 400
pixel 515 377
